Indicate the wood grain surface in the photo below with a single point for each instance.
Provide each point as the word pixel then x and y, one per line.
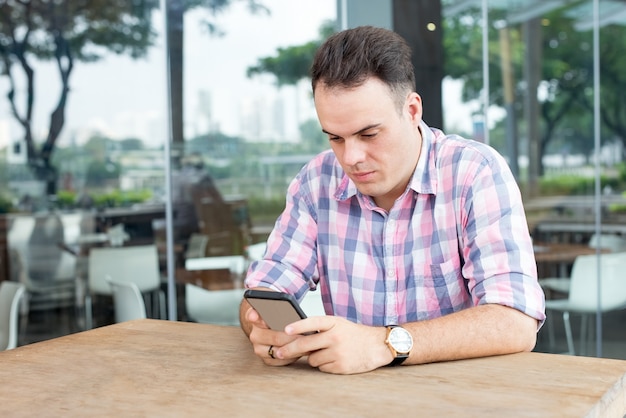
pixel 165 368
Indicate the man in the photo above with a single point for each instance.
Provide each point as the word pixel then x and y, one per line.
pixel 399 225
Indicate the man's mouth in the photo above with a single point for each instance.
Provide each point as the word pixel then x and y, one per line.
pixel 362 176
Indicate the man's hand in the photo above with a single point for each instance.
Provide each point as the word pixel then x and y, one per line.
pixel 263 339
pixel 334 345
pixel 339 346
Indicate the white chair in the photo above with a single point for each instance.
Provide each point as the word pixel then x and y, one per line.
pixel 58 291
pixel 37 260
pixel 236 264
pixel 255 252
pixel 220 307
pixel 10 297
pixel 312 304
pixel 611 242
pixel 127 301
pixel 583 292
pixel 136 264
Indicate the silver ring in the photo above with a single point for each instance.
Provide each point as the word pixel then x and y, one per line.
pixel 270 351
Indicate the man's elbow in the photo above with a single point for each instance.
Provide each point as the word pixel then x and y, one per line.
pixel 527 332
pixel 531 341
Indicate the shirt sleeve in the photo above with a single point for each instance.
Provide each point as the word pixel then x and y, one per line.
pixel 290 262
pixel 499 258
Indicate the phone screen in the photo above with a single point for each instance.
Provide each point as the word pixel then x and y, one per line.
pixel 276 308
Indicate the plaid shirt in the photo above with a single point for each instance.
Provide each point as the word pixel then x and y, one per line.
pixel 456 238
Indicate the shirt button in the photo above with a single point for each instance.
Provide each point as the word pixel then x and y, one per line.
pixel 391 273
pixel 391 223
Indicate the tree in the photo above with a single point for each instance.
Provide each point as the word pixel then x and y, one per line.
pixel 101 170
pixel 70 31
pixel 66 32
pixel 613 79
pixel 291 64
pixel 566 105
pixel 314 140
pixel 131 144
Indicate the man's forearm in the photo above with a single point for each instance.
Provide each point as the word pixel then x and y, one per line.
pixel 480 331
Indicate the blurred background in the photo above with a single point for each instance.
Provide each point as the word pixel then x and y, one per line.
pixel 176 126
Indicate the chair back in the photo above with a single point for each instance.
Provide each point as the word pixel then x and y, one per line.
pixel 220 307
pixel 312 304
pixel 256 251
pixel 583 294
pixel 611 242
pixel 10 297
pixel 235 263
pixel 219 269
pixel 196 246
pixel 127 301
pixel 137 264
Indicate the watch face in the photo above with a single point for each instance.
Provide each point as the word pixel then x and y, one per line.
pixel 401 340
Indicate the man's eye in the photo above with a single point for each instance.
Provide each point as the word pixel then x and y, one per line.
pixel 368 135
pixel 334 138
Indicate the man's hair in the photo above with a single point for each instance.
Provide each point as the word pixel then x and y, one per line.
pixel 349 58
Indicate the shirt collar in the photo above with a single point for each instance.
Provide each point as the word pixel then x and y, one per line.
pixel 424 179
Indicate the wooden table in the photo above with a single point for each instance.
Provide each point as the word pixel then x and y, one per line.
pixel 165 368
pixel 560 255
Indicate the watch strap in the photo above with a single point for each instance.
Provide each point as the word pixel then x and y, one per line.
pixel 398 360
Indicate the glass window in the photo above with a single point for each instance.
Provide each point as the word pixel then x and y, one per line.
pixel 85 130
pixel 543 108
pixel 99 112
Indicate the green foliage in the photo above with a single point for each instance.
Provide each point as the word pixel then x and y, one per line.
pixel 215 7
pixel 575 185
pixel 76 28
pixel 6 205
pixel 291 64
pixel 131 144
pixel 118 198
pixel 265 211
pixel 101 172
pixel 66 199
pixel 621 172
pixel 215 144
pixel 618 207
pixel 65 32
pixel 314 139
pixel 566 73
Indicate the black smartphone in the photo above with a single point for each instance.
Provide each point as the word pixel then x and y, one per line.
pixel 276 308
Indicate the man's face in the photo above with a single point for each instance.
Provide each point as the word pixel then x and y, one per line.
pixel 376 146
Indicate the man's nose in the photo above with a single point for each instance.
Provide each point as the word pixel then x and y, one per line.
pixel 354 152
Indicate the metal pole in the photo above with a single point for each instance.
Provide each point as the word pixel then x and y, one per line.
pixel 169 229
pixel 596 147
pixel 509 98
pixel 485 15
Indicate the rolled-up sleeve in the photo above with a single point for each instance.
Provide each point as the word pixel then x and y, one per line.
pixel 499 258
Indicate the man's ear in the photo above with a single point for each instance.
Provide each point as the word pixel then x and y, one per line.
pixel 414 106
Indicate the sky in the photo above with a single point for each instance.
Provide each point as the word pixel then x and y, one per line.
pixel 121 97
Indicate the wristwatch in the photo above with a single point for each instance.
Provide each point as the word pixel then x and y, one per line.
pixel 400 342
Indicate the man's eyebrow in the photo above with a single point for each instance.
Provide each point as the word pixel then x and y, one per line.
pixel 360 131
